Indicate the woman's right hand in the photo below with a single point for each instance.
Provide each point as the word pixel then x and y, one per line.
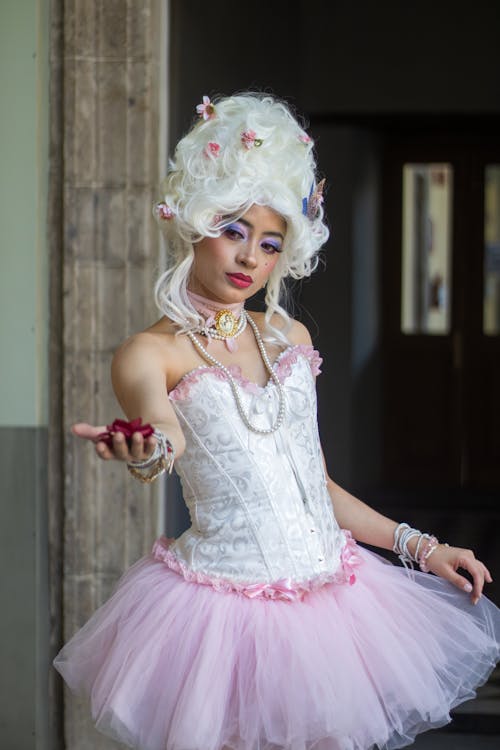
pixel 139 450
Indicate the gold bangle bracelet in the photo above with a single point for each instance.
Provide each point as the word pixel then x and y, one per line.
pixel 158 468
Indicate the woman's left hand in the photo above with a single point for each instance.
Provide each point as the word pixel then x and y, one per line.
pixel 445 562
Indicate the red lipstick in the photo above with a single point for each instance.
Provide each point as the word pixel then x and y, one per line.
pixel 240 280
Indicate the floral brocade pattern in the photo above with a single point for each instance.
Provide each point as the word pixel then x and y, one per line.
pixel 262 520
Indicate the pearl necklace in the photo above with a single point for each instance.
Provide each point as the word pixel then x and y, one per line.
pixel 226 326
pixel 236 391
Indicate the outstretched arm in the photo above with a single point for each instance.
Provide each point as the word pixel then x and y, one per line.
pixel 139 375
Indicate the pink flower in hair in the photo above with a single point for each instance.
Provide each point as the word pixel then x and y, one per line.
pixel 212 149
pixel 206 109
pixel 304 138
pixel 163 211
pixel 249 139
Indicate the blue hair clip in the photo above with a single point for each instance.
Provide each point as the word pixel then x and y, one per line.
pixel 305 201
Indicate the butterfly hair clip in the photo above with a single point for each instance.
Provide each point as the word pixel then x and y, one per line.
pixel 311 205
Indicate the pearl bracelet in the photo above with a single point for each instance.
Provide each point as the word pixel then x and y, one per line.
pixel 432 545
pixel 425 546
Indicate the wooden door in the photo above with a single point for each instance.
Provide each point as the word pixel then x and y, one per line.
pixel 441 314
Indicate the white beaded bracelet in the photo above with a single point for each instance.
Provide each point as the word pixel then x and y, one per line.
pixel 425 546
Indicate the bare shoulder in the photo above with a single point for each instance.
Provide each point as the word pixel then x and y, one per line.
pixel 296 334
pixel 157 352
pixel 153 347
pixel 137 359
pixel 138 348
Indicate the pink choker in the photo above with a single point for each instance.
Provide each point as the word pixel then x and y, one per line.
pixel 222 321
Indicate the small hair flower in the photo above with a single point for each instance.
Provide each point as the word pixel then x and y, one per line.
pixel 249 139
pixel 212 149
pixel 304 138
pixel 163 211
pixel 311 205
pixel 206 109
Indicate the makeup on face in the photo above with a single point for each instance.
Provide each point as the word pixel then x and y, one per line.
pixel 240 280
pixel 238 262
pixel 270 243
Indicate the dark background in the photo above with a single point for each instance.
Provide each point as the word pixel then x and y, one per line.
pixel 378 82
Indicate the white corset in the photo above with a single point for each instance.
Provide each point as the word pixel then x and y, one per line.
pixel 259 505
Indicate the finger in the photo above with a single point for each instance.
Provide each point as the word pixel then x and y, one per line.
pixel 149 445
pixel 475 568
pixel 487 575
pixel 87 431
pixel 120 447
pixel 103 451
pixel 137 447
pixel 477 574
pixel 141 449
pixel 457 580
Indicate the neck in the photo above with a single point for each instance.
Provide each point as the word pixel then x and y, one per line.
pixel 206 306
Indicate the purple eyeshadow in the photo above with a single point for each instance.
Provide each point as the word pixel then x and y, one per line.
pixel 235 227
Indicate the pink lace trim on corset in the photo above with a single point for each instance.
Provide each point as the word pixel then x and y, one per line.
pixel 288 358
pixel 282 367
pixel 285 589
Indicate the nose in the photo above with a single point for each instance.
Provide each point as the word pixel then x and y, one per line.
pixel 247 254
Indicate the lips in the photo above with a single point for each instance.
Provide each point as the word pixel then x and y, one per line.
pixel 240 279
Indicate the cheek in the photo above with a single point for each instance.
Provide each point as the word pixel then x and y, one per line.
pixel 270 263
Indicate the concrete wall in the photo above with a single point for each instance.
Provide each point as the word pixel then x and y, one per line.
pixel 110 101
pixel 24 624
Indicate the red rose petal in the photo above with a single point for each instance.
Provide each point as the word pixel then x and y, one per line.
pixel 126 428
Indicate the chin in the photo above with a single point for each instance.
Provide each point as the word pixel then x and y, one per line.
pixel 238 295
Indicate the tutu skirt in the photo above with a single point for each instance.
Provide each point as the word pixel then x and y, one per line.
pixel 175 665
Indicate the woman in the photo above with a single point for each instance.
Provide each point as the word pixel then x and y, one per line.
pixel 263 625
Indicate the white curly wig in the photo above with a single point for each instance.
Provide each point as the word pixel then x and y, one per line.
pixel 249 150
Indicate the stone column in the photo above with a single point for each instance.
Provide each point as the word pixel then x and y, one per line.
pixel 110 60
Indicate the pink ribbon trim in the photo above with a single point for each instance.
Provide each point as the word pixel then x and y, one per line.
pixel 283 590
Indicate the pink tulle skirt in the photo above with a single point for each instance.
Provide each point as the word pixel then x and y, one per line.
pixel 170 664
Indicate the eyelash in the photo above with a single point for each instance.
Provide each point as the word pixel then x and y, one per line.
pixel 231 231
pixel 274 248
pixel 268 247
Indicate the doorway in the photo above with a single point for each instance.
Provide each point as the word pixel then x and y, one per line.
pixel 441 313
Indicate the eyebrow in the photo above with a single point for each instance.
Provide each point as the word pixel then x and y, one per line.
pixel 251 226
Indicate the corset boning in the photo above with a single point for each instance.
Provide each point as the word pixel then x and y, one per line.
pixel 259 505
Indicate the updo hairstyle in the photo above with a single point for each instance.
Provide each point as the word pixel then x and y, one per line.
pixel 242 150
